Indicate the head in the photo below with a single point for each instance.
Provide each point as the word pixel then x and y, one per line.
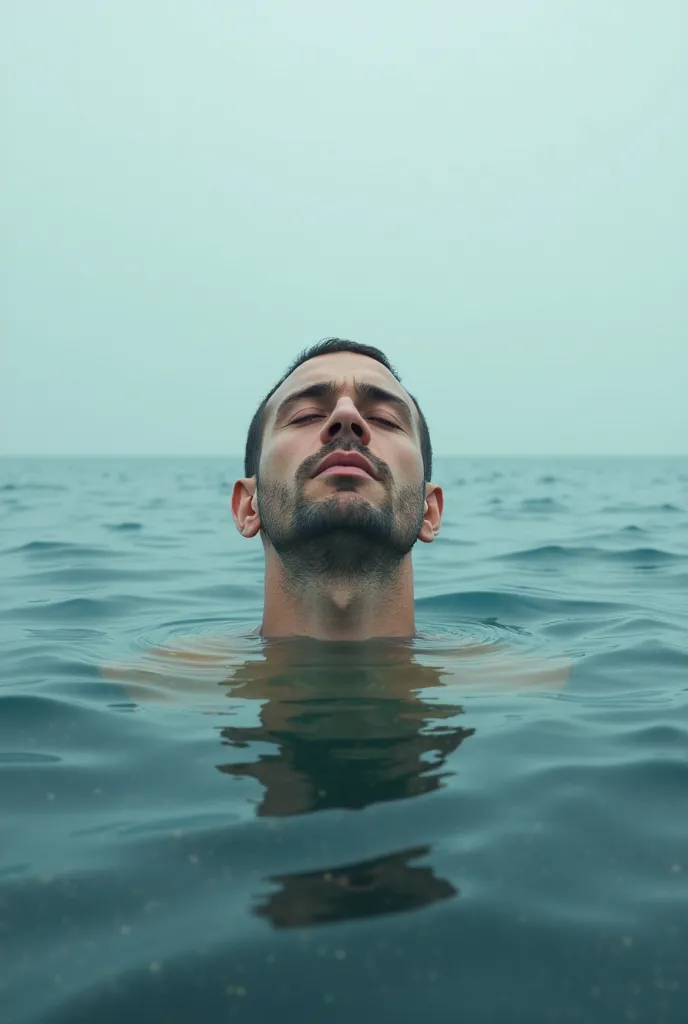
pixel 320 515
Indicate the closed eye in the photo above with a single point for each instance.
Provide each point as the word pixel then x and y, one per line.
pixel 385 423
pixel 318 415
pixel 309 416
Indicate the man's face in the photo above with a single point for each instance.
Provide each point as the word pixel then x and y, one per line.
pixel 330 517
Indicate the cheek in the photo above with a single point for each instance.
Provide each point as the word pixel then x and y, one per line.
pixel 410 465
pixel 283 456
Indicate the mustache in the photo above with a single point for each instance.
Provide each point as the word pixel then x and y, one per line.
pixel 309 465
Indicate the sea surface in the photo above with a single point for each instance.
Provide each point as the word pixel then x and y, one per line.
pixel 487 824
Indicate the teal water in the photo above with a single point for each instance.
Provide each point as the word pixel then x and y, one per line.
pixel 487 825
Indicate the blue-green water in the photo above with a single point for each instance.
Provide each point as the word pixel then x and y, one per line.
pixel 313 832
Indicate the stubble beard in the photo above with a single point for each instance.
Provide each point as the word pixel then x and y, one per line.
pixel 333 539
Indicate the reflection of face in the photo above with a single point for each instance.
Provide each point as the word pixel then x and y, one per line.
pixel 342 519
pixel 386 885
pixel 346 723
pixel 344 726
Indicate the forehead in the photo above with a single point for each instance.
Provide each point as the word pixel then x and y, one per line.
pixel 342 368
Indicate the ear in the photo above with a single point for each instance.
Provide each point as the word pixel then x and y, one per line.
pixel 245 507
pixel 434 503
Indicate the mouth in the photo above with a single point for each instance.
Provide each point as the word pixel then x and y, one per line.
pixel 346 464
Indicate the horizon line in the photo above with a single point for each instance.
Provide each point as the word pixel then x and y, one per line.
pixel 436 455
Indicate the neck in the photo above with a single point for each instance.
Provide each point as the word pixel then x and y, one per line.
pixel 328 608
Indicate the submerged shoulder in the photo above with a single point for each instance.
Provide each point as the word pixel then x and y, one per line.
pixel 189 664
pixel 505 669
pixel 197 665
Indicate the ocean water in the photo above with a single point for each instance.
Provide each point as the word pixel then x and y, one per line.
pixel 489 824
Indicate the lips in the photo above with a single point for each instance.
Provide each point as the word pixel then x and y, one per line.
pixel 344 461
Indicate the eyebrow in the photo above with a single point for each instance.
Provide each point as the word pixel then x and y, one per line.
pixel 364 392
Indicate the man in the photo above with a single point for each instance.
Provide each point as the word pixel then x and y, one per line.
pixel 338 485
pixel 334 709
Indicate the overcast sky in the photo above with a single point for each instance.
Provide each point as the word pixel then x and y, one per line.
pixel 494 193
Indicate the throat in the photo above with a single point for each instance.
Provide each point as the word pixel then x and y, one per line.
pixel 341 607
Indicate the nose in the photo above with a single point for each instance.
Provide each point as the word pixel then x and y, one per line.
pixel 345 423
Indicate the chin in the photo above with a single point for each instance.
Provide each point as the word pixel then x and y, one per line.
pixel 348 497
pixel 348 485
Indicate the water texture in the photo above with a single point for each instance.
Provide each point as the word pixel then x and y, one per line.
pixel 489 824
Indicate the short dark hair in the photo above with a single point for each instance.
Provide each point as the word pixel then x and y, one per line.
pixel 254 439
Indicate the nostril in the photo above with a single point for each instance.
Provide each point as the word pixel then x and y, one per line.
pixel 337 428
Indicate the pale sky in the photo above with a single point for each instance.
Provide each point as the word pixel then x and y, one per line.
pixel 493 193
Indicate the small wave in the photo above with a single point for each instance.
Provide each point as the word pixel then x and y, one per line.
pixel 49 549
pixel 552 553
pixel 99 574
pixel 54 488
pixel 31 711
pixel 126 527
pixel 659 739
pixel 226 592
pixel 488 478
pixel 649 655
pixel 643 774
pixel 171 826
pixel 646 625
pixel 542 505
pixel 644 556
pixel 489 605
pixel 81 608
pixel 25 757
pixel 630 506
pixel 161 542
pixel 79 634
pixel 47 659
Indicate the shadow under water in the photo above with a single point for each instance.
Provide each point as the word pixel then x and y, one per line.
pixel 346 728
